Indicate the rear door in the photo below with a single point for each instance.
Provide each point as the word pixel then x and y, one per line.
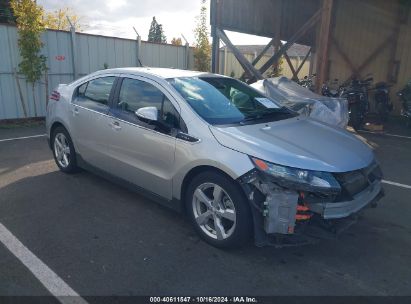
pixel 90 120
pixel 143 152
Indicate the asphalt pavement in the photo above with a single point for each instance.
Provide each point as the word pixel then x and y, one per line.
pixel 102 239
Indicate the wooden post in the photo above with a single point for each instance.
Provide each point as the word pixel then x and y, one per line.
pixel 215 54
pixel 259 56
pixel 226 61
pixel 323 44
pixel 393 65
pixel 303 62
pixel 252 72
pixel 304 29
pixel 290 64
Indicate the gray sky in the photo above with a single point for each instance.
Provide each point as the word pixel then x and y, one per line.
pixel 117 17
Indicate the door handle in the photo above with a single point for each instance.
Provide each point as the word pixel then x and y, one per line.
pixel 115 125
pixel 75 111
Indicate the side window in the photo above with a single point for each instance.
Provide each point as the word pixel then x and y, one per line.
pixel 95 92
pixel 169 114
pixel 136 94
pixel 99 89
pixel 82 89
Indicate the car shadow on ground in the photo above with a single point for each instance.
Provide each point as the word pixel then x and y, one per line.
pixel 106 240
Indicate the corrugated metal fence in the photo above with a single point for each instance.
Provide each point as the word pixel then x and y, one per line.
pixel 92 53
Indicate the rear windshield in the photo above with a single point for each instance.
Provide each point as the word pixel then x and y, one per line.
pixel 222 100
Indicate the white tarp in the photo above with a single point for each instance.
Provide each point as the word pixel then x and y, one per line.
pixel 333 111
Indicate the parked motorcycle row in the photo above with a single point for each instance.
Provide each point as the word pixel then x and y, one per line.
pixel 405 97
pixel 357 90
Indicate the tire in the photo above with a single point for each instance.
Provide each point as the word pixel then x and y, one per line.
pixel 382 112
pixel 61 140
pixel 355 117
pixel 231 211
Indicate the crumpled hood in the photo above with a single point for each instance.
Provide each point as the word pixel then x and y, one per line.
pixel 298 142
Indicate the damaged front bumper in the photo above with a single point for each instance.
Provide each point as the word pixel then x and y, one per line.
pixel 283 217
pixel 336 210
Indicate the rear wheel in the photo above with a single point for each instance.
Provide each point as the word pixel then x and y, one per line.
pixel 356 118
pixel 63 150
pixel 219 210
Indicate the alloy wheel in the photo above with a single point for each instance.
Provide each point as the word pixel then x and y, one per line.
pixel 214 211
pixel 62 150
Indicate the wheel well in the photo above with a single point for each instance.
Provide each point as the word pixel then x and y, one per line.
pixel 194 172
pixel 53 127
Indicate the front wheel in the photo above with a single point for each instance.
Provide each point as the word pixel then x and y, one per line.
pixel 356 117
pixel 218 210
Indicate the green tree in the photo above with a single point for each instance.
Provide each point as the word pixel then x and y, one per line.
pixel 57 20
pixel 30 26
pixel 156 32
pixel 176 41
pixel 152 31
pixel 202 49
pixel 160 37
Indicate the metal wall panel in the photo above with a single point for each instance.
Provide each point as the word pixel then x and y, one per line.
pixel 93 52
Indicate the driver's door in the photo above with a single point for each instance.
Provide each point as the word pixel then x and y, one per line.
pixel 143 152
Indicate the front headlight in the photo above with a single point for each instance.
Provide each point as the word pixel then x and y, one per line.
pixel 299 179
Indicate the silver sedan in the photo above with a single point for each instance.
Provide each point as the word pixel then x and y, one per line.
pixel 235 161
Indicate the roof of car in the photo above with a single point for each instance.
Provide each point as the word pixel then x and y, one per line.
pixel 159 72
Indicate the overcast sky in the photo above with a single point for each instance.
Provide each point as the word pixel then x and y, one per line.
pixel 117 17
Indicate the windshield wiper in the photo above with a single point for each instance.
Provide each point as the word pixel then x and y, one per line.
pixel 272 112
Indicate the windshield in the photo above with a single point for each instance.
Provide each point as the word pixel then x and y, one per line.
pixel 221 100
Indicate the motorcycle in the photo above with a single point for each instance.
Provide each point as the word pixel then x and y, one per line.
pixel 307 82
pixel 383 105
pixel 405 97
pixel 326 89
pixel 357 95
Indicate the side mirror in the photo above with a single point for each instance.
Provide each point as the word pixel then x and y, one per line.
pixel 147 113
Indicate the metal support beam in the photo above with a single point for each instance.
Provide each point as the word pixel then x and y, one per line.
pixel 304 29
pixel 247 66
pixel 324 43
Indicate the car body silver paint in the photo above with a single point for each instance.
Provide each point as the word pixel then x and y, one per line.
pixel 294 142
pixel 162 161
pixel 298 142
